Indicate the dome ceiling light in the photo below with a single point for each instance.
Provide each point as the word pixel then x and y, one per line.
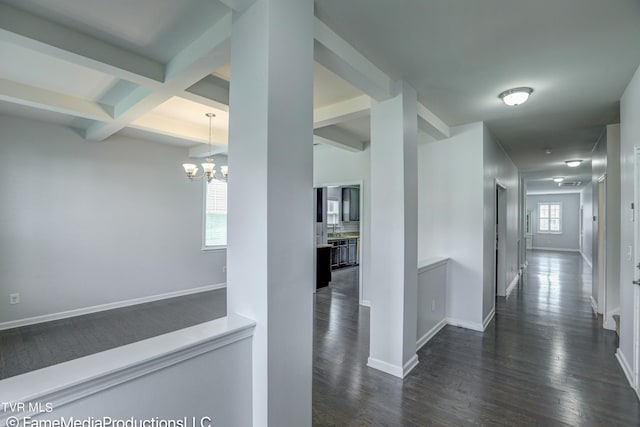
pixel 573 163
pixel 516 96
pixel 558 179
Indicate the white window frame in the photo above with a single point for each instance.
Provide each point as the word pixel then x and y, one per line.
pixel 540 231
pixel 206 248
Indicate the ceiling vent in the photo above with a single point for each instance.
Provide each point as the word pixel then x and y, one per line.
pixel 570 184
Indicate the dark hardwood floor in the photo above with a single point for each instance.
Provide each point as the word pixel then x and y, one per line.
pixel 33 347
pixel 544 361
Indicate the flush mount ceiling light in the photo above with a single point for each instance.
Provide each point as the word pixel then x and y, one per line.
pixel 573 163
pixel 516 96
pixel 208 168
pixel 558 179
pixel 548 150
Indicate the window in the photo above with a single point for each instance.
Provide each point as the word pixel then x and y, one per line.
pixel 215 214
pixel 549 217
pixel 333 212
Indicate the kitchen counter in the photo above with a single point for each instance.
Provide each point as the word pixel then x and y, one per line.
pixel 342 236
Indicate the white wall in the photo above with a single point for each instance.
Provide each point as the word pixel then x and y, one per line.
pixel 432 299
pixel 606 162
pixel 498 167
pixel 586 199
pixel 630 138
pixel 200 371
pixel 89 223
pixel 333 166
pixel 450 217
pixel 569 239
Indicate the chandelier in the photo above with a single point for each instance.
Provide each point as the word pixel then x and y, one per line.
pixel 208 168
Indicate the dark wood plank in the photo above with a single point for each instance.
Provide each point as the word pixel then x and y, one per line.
pixel 33 347
pixel 544 360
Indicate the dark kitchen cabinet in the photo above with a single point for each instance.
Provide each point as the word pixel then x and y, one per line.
pixel 350 204
pixel 319 204
pixel 323 266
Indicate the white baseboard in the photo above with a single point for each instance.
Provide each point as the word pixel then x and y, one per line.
pixel 103 307
pixel 395 370
pixel 556 249
pixel 512 285
pixel 489 318
pixel 408 367
pixel 594 305
pixel 430 334
pixel 586 260
pixel 474 326
pixel 626 368
pixel 609 323
pixel 365 302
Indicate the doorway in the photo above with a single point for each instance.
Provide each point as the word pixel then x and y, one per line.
pixel 636 277
pixel 340 219
pixel 602 254
pixel 501 241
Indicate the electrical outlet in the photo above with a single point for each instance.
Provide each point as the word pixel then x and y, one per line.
pixel 14 299
pixel 433 305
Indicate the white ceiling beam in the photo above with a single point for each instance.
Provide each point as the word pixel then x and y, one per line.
pixel 205 54
pixel 170 126
pixel 342 111
pixel 338 138
pixel 201 151
pixel 238 5
pixel 32 32
pixel 43 99
pixel 212 91
pixel 334 53
pixel 432 124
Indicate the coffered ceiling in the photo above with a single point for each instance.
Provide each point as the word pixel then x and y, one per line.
pixel 152 68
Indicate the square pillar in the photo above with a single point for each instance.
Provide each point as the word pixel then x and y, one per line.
pixel 394 230
pixel 270 202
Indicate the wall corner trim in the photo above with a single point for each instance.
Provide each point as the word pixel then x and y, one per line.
pixel 626 368
pixel 76 379
pixel 586 260
pixel 103 307
pixel 430 334
pixel 394 370
pixel 594 305
pixel 512 285
pixel 489 318
pixel 474 326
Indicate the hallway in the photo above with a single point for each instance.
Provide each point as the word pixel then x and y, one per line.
pixel 544 360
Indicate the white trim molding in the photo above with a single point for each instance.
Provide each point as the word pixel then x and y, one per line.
pixel 103 307
pixel 586 260
pixel 76 379
pixel 512 285
pixel 489 318
pixel 626 368
pixel 430 334
pixel 594 305
pixel 556 249
pixel 365 303
pixel 474 326
pixel 395 370
pixel 609 323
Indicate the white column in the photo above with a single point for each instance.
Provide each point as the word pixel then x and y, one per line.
pixel 270 205
pixel 394 230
